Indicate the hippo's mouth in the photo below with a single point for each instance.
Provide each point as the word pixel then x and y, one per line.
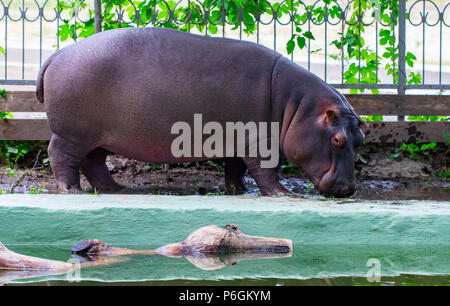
pixel 326 180
pixel 326 176
pixel 321 179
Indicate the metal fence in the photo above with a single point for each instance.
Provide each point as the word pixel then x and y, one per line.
pixel 420 28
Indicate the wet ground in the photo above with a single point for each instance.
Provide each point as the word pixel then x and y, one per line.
pixel 373 183
pixel 206 182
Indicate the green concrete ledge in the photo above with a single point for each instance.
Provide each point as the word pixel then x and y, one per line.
pixel 331 237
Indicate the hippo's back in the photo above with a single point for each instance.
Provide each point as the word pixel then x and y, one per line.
pixel 128 86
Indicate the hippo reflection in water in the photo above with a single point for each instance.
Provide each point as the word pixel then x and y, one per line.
pixel 208 248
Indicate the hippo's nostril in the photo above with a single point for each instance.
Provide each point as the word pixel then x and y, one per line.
pixel 345 190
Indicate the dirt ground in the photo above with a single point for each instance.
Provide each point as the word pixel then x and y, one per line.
pixel 378 176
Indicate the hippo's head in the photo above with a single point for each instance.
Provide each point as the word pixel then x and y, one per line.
pixel 321 138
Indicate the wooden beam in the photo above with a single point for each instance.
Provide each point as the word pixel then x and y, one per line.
pixel 21 101
pixel 412 105
pixel 24 129
pixel 384 132
pixel 397 132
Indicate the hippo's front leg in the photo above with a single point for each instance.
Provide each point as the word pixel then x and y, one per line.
pixel 235 169
pixel 266 178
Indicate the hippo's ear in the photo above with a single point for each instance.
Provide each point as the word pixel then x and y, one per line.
pixel 362 123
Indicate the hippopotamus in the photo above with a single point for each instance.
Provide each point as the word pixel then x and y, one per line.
pixel 209 248
pixel 121 91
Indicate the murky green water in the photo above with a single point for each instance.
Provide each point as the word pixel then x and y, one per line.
pixel 335 242
pixel 309 265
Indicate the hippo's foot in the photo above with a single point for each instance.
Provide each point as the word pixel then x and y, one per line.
pixel 65 158
pixel 266 178
pixel 62 188
pixel 275 188
pixel 236 188
pixel 234 175
pixel 98 175
pixel 113 188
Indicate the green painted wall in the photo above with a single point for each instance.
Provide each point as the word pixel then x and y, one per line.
pixel 331 238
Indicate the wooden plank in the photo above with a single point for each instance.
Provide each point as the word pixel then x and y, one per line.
pixel 384 132
pixel 397 132
pixel 23 129
pixel 21 101
pixel 412 105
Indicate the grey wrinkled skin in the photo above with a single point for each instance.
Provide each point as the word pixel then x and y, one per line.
pixel 122 90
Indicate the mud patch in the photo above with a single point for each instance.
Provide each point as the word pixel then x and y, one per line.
pixel 380 167
pixel 379 177
pixel 208 179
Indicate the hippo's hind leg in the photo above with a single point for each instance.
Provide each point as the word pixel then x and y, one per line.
pixel 266 178
pixel 65 159
pixel 95 170
pixel 235 169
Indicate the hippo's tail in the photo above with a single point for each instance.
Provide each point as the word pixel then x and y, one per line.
pixel 40 78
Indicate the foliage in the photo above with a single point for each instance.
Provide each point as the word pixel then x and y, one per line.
pixel 309 188
pixel 372 118
pixel 445 175
pixel 161 10
pixel 4 115
pixel 153 166
pixel 13 151
pixel 428 118
pixel 289 168
pixel 415 149
pixel 34 190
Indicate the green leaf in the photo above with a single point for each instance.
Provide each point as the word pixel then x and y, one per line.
pixel 290 46
pixel 337 44
pixel 301 42
pixel 212 29
pixel 308 35
pixel 5 115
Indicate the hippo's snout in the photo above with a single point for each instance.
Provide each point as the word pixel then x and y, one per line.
pixel 339 190
pixel 348 190
pixel 342 191
pixel 332 184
